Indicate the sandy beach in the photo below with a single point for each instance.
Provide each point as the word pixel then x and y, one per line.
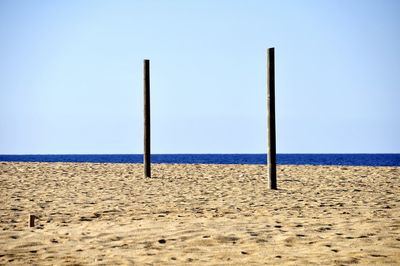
pixel 108 214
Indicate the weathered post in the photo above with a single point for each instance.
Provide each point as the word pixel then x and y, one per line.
pixel 146 155
pixel 271 118
pixel 32 220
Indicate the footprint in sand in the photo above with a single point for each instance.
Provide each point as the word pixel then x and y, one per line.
pixel 378 256
pixel 227 239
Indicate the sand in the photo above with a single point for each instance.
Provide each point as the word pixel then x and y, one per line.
pixel 108 214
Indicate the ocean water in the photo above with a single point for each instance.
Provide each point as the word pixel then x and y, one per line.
pixel 294 159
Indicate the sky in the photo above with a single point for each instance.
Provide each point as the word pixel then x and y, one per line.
pixel 71 76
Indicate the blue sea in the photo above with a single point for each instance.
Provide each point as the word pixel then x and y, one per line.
pixel 295 159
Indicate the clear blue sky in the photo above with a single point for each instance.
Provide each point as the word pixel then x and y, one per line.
pixel 71 76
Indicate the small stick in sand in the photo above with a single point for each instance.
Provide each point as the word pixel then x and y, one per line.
pixel 32 220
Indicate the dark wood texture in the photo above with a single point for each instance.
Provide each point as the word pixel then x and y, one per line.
pixel 271 119
pixel 32 220
pixel 146 155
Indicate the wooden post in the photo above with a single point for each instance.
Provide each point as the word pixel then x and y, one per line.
pixel 32 220
pixel 146 155
pixel 271 119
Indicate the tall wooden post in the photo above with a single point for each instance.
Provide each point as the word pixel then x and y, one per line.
pixel 146 92
pixel 271 119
